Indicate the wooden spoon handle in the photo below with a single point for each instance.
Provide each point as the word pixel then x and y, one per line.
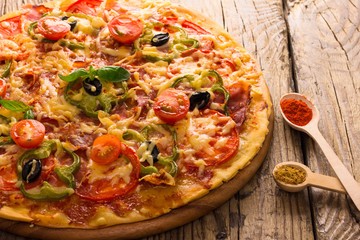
pixel 352 187
pixel 326 182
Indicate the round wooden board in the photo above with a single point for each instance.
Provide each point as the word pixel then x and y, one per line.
pixel 175 218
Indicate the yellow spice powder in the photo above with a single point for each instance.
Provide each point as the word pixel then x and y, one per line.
pixel 290 175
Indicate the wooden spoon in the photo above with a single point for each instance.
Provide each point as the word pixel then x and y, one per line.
pixel 352 187
pixel 312 179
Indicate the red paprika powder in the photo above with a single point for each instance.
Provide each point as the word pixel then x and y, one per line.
pixel 296 111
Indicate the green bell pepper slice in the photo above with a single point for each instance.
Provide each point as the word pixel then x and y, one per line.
pixel 177 81
pixel 218 86
pixel 132 134
pixel 47 192
pixel 6 71
pixel 6 141
pixel 66 174
pixel 30 30
pixel 72 45
pixel 169 162
pixel 180 44
pixel 148 170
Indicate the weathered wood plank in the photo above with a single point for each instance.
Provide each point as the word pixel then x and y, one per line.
pixel 326 41
pixel 260 210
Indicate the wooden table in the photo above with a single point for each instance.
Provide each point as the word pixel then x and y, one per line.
pixel 311 47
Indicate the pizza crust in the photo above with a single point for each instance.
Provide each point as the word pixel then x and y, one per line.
pixel 16 214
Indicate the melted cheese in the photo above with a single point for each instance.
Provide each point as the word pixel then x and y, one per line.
pixel 118 169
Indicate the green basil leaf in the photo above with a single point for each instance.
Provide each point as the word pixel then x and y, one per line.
pixel 113 74
pixel 16 106
pixel 92 72
pixel 74 75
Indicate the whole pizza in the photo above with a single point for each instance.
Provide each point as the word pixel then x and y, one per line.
pixel 117 111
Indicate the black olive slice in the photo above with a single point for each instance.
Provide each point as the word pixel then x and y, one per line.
pixel 155 151
pixel 160 39
pixel 92 87
pixel 199 99
pixel 31 170
pixel 72 24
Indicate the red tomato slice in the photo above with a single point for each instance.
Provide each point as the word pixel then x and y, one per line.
pixel 219 129
pixel 105 149
pixel 28 133
pixel 53 28
pixel 125 28
pixel 172 105
pixel 107 188
pixel 10 27
pixel 8 177
pixel 3 88
pixel 84 6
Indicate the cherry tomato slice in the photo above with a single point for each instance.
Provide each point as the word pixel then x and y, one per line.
pixel 172 105
pixel 224 138
pixel 3 88
pixel 84 6
pixel 110 185
pixel 125 28
pixel 53 28
pixel 105 149
pixel 28 133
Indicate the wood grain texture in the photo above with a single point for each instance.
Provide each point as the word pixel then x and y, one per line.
pixel 326 41
pixel 310 46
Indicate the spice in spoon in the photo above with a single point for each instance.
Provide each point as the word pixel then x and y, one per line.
pixel 290 175
pixel 296 111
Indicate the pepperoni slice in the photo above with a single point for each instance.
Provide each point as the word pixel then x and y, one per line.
pixel 87 7
pixel 8 177
pixel 34 12
pixel 239 101
pixel 10 27
pixel 194 29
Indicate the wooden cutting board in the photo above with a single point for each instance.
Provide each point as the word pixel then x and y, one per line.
pixel 166 222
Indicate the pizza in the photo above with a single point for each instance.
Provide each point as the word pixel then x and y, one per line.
pixel 118 111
